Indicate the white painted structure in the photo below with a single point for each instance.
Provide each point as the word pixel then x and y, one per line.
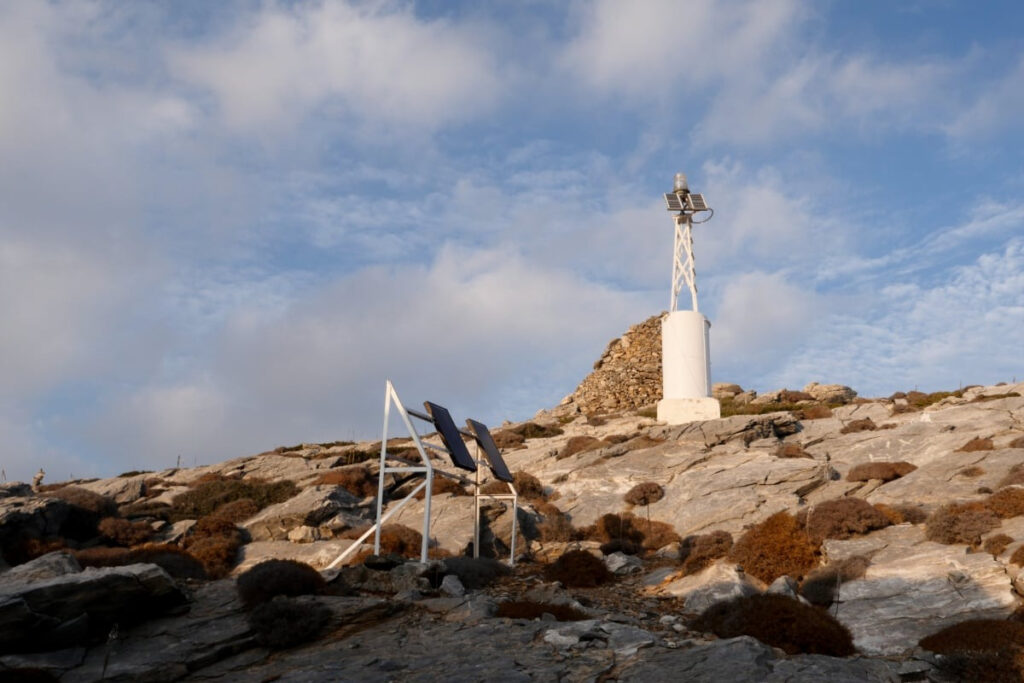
pixel 685 347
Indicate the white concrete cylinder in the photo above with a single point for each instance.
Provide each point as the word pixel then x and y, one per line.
pixel 685 355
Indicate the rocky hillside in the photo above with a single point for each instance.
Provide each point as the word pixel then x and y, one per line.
pixel 810 535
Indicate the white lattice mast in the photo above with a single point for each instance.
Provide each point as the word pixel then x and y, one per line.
pixel 685 352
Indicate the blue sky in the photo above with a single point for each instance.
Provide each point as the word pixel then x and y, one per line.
pixel 224 225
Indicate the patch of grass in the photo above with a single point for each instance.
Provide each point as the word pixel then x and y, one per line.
pixel 995 397
pixel 698 552
pixel 818 411
pixel 441 485
pixel 776 547
pixel 650 412
pixel 555 525
pixel 778 621
pixel 822 583
pixel 398 539
pixel 532 430
pixel 237 511
pixel 133 473
pixel 791 450
pixel 87 509
pixel 214 541
pixel 960 523
pixel 842 518
pixel 854 426
pixel 886 471
pixel 285 622
pixel 978 443
pixel 579 444
pixel 528 609
pixel 1014 477
pixel 270 578
pixel 206 497
pixel 578 569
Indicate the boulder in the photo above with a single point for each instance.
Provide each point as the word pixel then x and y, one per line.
pixel 830 393
pixel 621 564
pixel 718 582
pixel 122 490
pixel 46 566
pixel 317 555
pixel 30 516
pixel 328 506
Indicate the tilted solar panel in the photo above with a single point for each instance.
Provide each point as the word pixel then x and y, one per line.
pixel 673 202
pixel 497 463
pixel 696 202
pixel 450 436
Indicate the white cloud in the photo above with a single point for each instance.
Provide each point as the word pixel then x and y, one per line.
pixel 377 61
pixel 999 105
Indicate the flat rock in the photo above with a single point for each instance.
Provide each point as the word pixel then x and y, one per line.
pixel 313 506
pixel 720 581
pixel 48 566
pixel 317 555
pixel 121 490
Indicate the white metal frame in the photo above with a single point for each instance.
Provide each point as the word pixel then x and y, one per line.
pixel 512 495
pixel 684 269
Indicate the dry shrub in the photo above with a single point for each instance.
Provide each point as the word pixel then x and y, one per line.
pixel 285 622
pixel 791 450
pixel 87 509
pixel 555 525
pixel 818 411
pixel 697 552
pixel 995 545
pixel 206 497
pixel 988 650
pixel 886 471
pixel 609 527
pixel 971 472
pixel 400 540
pixel 842 518
pixel 356 480
pixel 441 485
pixel 270 578
pixel 528 486
pixel 122 532
pixel 237 511
pixel 214 541
pixel 658 534
pixel 507 439
pixel 644 493
pixel 527 609
pixel 179 563
pixel 102 556
pixel 579 444
pixel 1017 557
pixel 902 513
pixel 775 547
pixel 1007 502
pixel 778 621
pixel 1016 443
pixel 822 583
pixel 960 523
pixel 854 426
pixel 532 430
pixel 578 569
pixel 1014 477
pixel 146 508
pixel 976 444
pixel 476 573
pixel 621 545
pixel 791 396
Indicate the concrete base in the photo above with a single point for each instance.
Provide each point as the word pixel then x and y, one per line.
pixel 677 411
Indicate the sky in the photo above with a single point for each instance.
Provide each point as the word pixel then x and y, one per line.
pixel 223 225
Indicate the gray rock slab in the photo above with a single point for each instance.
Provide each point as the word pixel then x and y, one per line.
pixel 121 490
pixel 311 507
pixel 721 581
pixel 48 566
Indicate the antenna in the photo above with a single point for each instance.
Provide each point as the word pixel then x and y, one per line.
pixel 685 204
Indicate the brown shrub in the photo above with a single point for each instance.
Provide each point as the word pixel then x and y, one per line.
pixel 87 509
pixel 532 430
pixel 976 444
pixel 980 650
pixel 146 508
pixel 356 480
pixel 1017 557
pixel 971 472
pixel 1007 502
pixel 775 547
pixel 902 513
pixel 22 548
pixel 960 523
pixel 644 494
pixel 697 552
pixel 1016 443
pixel 995 545
pixel 1014 477
pixel 818 411
pixel 441 485
pixel 822 583
pixel 400 540
pixel 778 621
pixel 578 569
pixel 790 396
pixel 658 534
pixel 620 545
pixel 179 563
pixel 285 622
pixel 791 450
pixel 579 444
pixel 236 511
pixel 102 556
pixel 217 554
pixel 528 486
pixel 886 471
pixel 528 609
pixel 278 577
pixel 555 525
pixel 853 426
pixel 206 497
pixel 609 527
pixel 507 439
pixel 122 532
pixel 842 518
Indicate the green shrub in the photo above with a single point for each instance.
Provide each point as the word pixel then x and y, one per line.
pixel 822 583
pixel 960 523
pixel 843 518
pixel 778 621
pixel 285 622
pixel 697 552
pixel 775 547
pixel 528 609
pixel 206 497
pixel 270 578
pixel 886 471
pixel 578 569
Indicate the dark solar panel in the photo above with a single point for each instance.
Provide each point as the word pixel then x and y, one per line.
pixel 490 449
pixel 450 436
pixel 673 202
pixel 696 202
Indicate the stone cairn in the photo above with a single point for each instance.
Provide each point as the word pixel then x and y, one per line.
pixel 627 376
